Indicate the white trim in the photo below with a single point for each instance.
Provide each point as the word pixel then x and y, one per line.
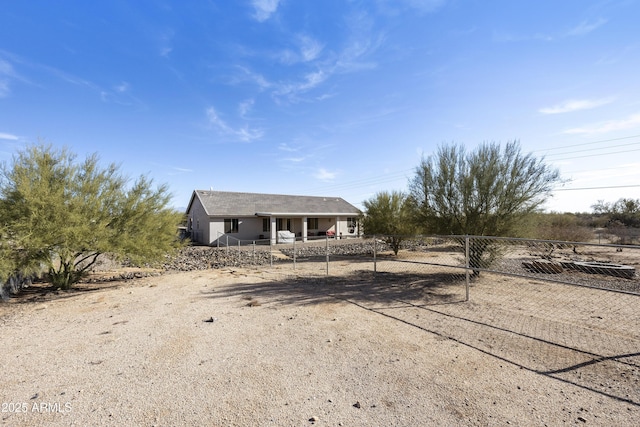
pixel 309 214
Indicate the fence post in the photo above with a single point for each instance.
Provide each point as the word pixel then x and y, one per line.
pixel 227 244
pixel 253 244
pixel 270 252
pixel 326 251
pixel 294 252
pixel 466 262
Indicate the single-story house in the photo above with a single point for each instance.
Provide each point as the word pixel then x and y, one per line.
pixel 223 216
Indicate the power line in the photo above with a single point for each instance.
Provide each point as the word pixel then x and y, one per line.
pixel 596 170
pixel 599 154
pixel 598 188
pixel 397 175
pixel 595 149
pixel 586 143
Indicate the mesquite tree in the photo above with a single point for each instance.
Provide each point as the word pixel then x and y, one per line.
pixel 64 214
pixel 485 192
pixel 388 214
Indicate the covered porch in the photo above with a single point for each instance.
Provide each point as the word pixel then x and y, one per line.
pixel 307 227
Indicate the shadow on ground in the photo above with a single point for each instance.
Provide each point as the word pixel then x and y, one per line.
pixel 436 303
pixel 362 286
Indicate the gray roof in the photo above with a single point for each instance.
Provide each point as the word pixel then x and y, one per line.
pixel 226 203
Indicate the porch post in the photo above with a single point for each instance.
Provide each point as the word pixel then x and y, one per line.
pixel 273 229
pixel 304 229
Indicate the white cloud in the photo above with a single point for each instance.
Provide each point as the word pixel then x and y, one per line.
pixel 244 134
pixel 581 29
pixel 247 135
pixel 245 107
pixel 215 120
pixel 8 136
pixel 311 80
pixel 256 78
pixel 175 170
pixel 324 175
pixel 4 88
pixel 575 105
pixel 309 48
pixel 287 148
pixel 295 159
pixel 631 122
pixel 325 96
pixel 361 43
pixel 122 87
pixel 586 27
pixel 6 68
pixel 120 94
pixel 179 169
pixel 6 73
pixel 71 78
pixel 264 9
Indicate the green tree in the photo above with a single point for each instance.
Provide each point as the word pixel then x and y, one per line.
pixel 487 192
pixel 64 214
pixel 563 227
pixel 388 214
pixel 567 227
pixel 626 211
pixel 7 260
pixel 621 218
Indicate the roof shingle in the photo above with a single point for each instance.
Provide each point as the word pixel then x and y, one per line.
pixel 226 203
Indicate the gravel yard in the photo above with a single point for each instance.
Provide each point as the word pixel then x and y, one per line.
pixel 262 345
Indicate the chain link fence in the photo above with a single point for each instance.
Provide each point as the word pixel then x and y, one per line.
pixel 605 266
pixel 566 310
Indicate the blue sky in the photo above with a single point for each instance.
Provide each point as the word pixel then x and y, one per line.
pixel 328 98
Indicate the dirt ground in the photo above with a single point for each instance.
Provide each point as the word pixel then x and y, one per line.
pixel 269 346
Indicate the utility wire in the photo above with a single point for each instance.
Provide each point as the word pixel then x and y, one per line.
pixel 594 155
pixel 365 182
pixel 594 149
pixel 597 188
pixel 586 143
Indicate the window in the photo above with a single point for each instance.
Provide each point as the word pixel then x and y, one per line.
pixel 283 224
pixel 266 225
pixel 352 224
pixel 231 225
pixel 312 223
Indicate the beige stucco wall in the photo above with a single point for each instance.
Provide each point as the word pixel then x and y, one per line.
pixel 198 223
pixel 249 228
pixel 207 230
